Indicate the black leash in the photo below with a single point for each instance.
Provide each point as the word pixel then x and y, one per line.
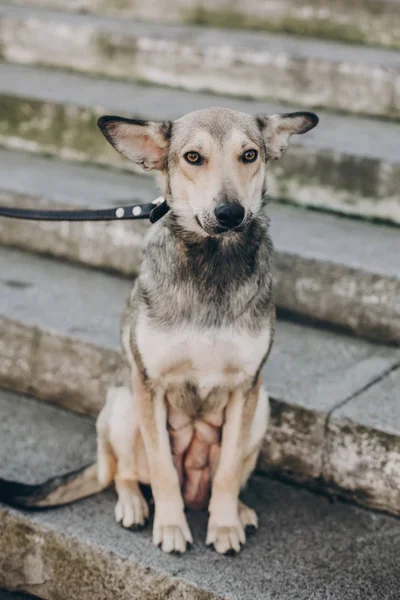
pixel 152 211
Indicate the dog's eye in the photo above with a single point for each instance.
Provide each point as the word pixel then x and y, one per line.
pixel 249 156
pixel 193 158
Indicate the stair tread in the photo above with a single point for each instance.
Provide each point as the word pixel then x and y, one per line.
pixel 45 440
pixel 383 415
pixel 305 547
pixel 309 234
pixel 373 23
pixel 351 78
pixel 279 43
pixel 308 367
pixel 354 136
pixel 296 528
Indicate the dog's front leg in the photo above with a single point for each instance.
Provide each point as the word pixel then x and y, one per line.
pixel 170 529
pixel 225 529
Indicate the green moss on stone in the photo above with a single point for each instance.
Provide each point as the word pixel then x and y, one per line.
pixel 283 413
pixel 55 129
pixel 312 27
pixel 112 50
pixel 117 6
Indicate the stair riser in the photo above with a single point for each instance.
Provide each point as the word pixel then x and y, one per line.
pixel 365 303
pixel 114 246
pixel 367 22
pixel 65 568
pixel 60 370
pixel 301 445
pixel 225 69
pixel 305 175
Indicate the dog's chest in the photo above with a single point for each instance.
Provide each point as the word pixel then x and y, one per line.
pixel 209 358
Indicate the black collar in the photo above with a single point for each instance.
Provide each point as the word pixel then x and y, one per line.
pixel 152 211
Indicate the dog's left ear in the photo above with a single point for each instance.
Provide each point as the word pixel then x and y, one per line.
pixel 277 129
pixel 143 142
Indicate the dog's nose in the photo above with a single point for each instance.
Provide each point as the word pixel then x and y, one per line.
pixel 229 215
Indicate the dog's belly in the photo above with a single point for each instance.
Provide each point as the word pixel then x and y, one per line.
pixel 195 445
pixel 198 369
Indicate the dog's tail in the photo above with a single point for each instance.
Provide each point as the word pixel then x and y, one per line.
pixel 56 491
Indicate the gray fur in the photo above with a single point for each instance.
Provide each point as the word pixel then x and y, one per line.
pixel 208 282
pixel 223 278
pixel 212 281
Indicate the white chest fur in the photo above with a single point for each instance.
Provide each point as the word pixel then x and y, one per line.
pixel 211 358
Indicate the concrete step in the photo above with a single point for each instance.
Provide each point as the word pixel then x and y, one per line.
pixel 333 396
pixel 326 268
pixel 364 21
pixel 306 548
pixel 313 73
pixel 347 164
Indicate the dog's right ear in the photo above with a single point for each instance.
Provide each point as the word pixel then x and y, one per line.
pixel 143 142
pixel 278 129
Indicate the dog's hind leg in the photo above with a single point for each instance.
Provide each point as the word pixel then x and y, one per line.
pixel 131 509
pixel 121 456
pixel 106 461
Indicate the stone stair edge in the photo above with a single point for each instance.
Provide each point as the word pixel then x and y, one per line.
pixel 313 173
pixel 79 551
pixel 302 444
pixel 103 246
pixel 100 571
pixel 365 23
pixel 320 276
pixel 350 79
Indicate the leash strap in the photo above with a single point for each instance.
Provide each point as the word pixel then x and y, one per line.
pixel 152 211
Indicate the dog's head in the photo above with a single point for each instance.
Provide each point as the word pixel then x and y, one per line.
pixel 212 162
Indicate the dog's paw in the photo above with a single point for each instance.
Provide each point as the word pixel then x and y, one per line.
pixel 132 509
pixel 172 536
pixel 226 538
pixel 248 517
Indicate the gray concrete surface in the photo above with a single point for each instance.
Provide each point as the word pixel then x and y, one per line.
pixel 383 416
pixel 70 300
pixel 316 73
pixel 344 134
pixel 59 341
pixel 306 548
pixel 358 434
pixel 342 271
pixel 375 22
pixel 4 595
pixel 55 113
pixel 40 439
pixel 254 42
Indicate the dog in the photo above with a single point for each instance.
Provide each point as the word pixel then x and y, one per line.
pixel 191 415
